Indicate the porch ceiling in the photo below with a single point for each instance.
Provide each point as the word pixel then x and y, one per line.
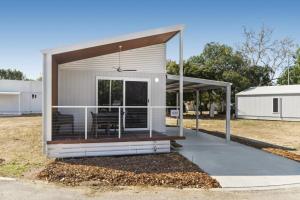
pixel 192 84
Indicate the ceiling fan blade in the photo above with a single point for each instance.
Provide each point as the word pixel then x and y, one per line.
pixel 129 70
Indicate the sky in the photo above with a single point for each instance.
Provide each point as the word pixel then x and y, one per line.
pixel 27 27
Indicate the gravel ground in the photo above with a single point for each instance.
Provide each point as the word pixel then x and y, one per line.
pixel 40 190
pixel 171 170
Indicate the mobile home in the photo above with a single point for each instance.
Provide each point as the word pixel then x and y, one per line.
pixel 20 97
pixel 269 103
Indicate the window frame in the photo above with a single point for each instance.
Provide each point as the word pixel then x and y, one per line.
pixel 275 98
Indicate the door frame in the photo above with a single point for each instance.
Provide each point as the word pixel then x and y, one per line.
pixel 124 79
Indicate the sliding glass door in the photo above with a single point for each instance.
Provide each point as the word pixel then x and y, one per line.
pixel 136 94
pixel 128 92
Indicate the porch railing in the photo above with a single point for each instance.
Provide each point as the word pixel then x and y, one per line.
pixel 69 115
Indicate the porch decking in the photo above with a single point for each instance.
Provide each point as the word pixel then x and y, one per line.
pixel 128 136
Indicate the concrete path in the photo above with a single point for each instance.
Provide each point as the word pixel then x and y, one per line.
pixel 24 190
pixel 235 165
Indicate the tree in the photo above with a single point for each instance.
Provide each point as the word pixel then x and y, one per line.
pixel 294 76
pixel 258 76
pixel 221 62
pixel 262 50
pixel 294 72
pixel 12 74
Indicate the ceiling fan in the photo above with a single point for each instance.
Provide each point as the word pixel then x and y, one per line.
pixel 119 69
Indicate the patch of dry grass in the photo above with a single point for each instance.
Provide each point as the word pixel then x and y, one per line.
pixel 282 133
pixel 20 145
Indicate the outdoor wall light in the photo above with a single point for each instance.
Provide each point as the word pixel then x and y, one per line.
pixel 156 80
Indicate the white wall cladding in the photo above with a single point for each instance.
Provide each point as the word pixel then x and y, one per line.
pixel 10 103
pixel 261 107
pixel 20 86
pixel 107 149
pixel 146 59
pixel 77 80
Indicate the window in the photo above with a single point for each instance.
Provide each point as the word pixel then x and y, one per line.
pixel 275 105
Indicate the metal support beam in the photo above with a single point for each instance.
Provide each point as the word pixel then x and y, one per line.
pixel 228 104
pixel 197 111
pixel 181 81
pixel 177 102
pixel 119 131
pixel 85 123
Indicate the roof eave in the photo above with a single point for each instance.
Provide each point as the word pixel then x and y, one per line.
pixel 131 36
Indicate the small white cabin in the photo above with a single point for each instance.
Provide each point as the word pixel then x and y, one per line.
pixel 108 97
pixel 20 97
pixel 269 103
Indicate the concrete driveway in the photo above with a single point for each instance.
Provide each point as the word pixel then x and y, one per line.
pixel 235 165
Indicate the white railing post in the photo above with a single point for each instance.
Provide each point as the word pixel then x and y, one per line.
pixel 119 122
pixel 150 121
pixel 85 123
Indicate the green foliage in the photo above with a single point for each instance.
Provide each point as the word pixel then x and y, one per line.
pixel 294 76
pixel 294 72
pixel 221 62
pixel 11 74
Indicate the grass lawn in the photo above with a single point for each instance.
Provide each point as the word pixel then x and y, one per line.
pixel 20 145
pixel 21 139
pixel 281 133
pixel 21 156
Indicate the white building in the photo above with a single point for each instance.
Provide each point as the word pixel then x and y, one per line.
pixel 269 103
pixel 20 97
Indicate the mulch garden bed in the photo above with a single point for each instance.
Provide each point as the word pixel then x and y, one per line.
pixel 171 170
pixel 271 148
pixel 283 153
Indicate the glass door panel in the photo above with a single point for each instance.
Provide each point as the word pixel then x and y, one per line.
pixel 136 94
pixel 110 93
pixel 116 96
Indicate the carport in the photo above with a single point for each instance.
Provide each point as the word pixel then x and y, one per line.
pixel 197 85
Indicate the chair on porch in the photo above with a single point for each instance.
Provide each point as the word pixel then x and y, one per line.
pixel 107 120
pixel 59 120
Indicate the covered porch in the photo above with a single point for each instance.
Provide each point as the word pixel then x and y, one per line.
pixel 198 85
pixel 140 120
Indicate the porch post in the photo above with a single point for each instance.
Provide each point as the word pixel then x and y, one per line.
pixel 177 96
pixel 228 104
pixel 85 123
pixel 47 100
pixel 181 81
pixel 197 111
pixel 47 97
